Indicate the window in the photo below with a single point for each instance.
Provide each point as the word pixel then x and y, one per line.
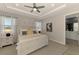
pixel 38 26
pixel 75 26
pixel 8 24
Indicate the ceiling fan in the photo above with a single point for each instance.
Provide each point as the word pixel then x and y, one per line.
pixel 35 7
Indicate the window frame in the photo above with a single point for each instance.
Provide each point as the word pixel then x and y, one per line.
pixel 12 22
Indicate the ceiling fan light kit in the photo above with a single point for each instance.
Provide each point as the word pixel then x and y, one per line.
pixel 34 9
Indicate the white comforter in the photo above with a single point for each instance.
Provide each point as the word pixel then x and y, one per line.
pixel 28 44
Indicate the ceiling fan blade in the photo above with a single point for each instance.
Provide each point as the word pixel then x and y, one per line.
pixel 34 4
pixel 40 6
pixel 38 10
pixel 31 10
pixel 28 6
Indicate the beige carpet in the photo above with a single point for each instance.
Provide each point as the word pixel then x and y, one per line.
pixel 9 50
pixel 73 47
pixel 53 48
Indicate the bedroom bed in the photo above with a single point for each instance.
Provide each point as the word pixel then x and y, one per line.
pixel 28 44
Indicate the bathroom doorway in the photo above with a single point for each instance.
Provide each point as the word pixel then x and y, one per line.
pixel 72 29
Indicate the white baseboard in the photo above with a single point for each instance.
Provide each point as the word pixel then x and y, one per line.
pixel 57 42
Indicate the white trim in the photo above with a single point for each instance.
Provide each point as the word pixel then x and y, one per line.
pixel 65 30
pixel 20 10
pixel 58 8
pixel 72 13
pixel 58 42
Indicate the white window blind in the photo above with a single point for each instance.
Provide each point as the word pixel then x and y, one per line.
pixel 8 23
pixel 38 26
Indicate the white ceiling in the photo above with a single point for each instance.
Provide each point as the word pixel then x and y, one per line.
pixel 49 10
pixel 73 15
pixel 21 10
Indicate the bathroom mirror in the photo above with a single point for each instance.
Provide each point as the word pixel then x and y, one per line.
pixel 71 23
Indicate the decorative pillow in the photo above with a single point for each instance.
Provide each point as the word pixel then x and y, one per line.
pixel 34 32
pixel 30 32
pixel 24 32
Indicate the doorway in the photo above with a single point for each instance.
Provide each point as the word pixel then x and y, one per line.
pixel 72 29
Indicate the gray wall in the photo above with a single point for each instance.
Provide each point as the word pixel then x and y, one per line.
pixel 21 23
pixel 58 21
pixel 24 23
pixel 58 33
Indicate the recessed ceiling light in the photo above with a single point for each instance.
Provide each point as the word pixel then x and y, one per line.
pixel 53 5
pixel 17 4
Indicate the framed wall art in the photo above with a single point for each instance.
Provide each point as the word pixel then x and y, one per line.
pixel 49 27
